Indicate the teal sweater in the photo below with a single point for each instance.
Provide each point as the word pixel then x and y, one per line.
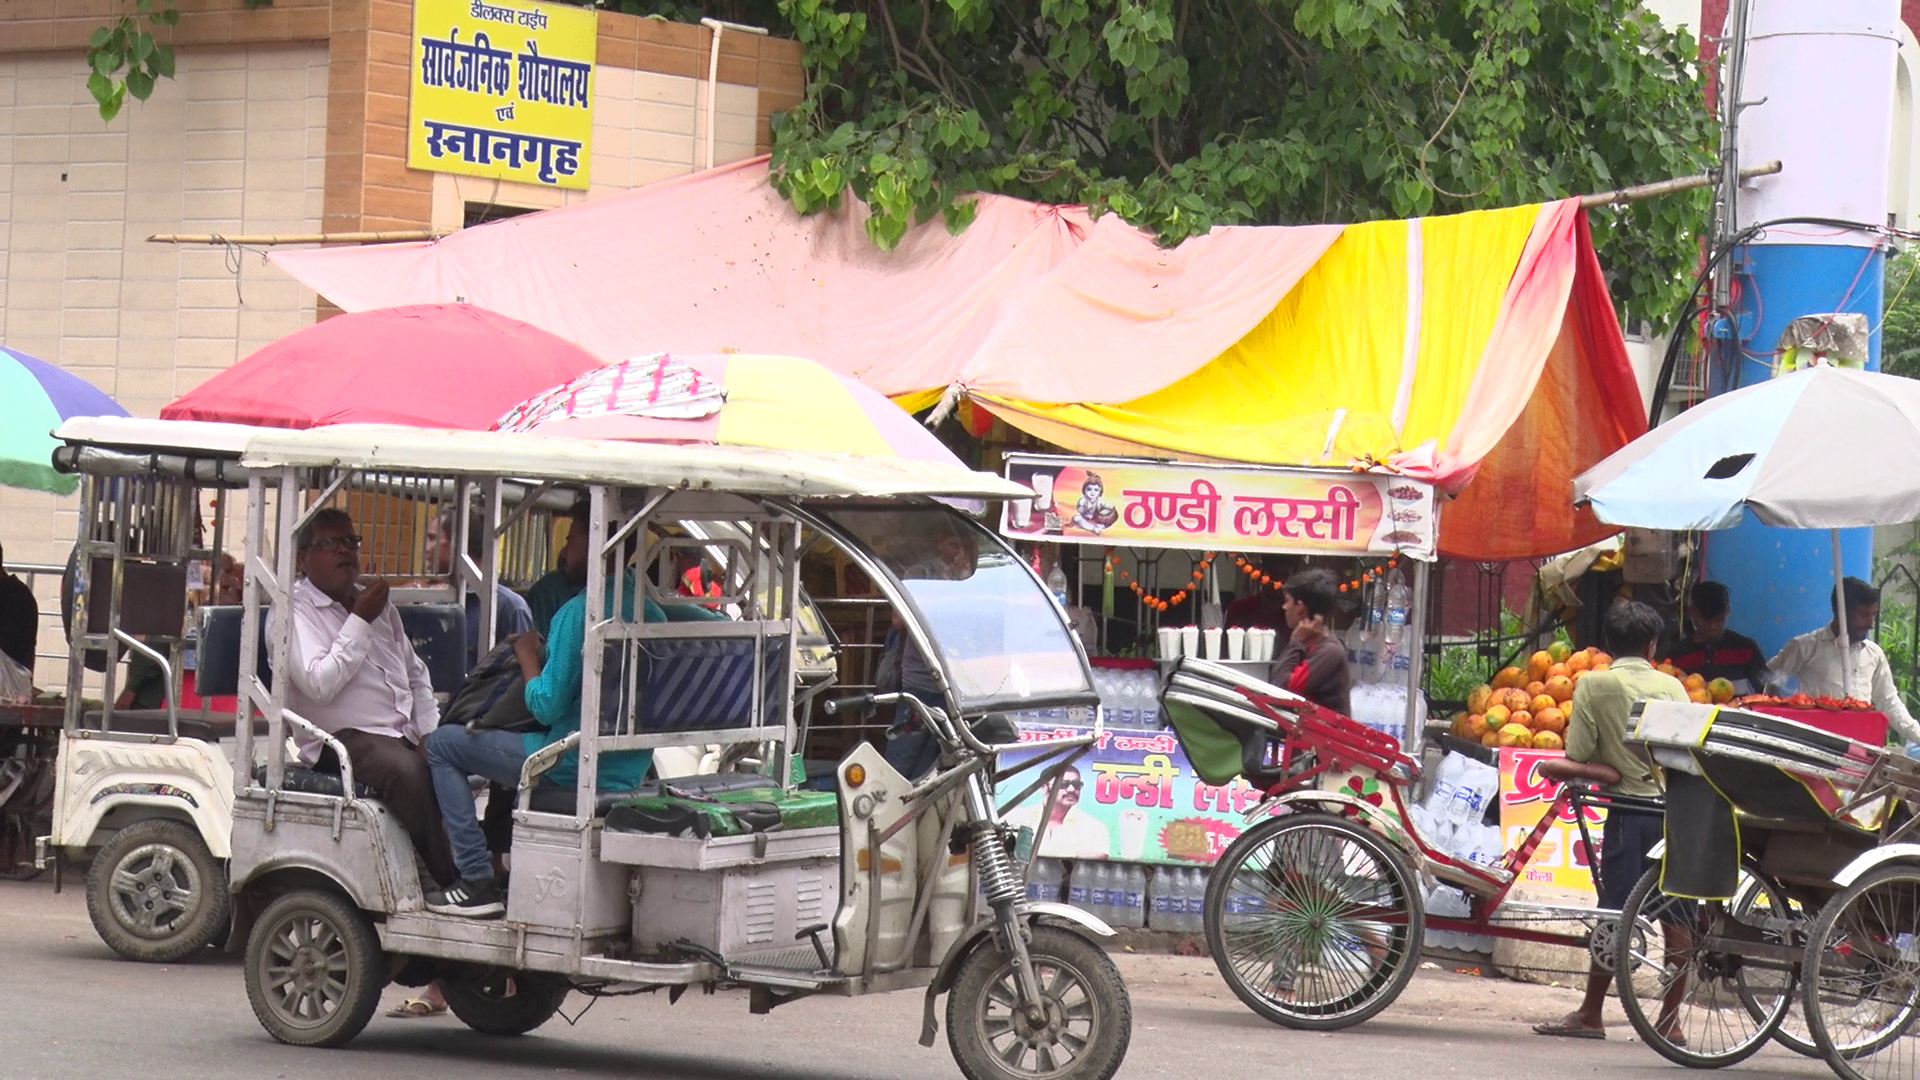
pixel 554 695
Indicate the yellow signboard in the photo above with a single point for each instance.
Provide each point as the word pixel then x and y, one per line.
pixel 503 89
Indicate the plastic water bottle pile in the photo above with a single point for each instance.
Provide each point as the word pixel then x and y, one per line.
pixel 1131 697
pixel 1382 707
pixel 1115 893
pixel 1046 879
pixel 1177 899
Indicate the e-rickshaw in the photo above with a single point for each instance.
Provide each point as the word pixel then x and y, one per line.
pixel 916 884
pixel 145 795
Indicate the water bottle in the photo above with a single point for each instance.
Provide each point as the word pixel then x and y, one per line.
pixel 1044 883
pixel 1126 711
pixel 1165 907
pixel 1129 907
pixel 1193 899
pixel 1080 886
pixel 1106 882
pixel 1057 583
pixel 1149 700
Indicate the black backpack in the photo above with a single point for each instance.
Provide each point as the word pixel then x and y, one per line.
pixel 494 696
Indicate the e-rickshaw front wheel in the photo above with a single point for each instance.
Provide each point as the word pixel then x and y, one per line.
pixel 1079 1032
pixel 314 969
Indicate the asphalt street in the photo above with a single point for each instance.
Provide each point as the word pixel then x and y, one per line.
pixel 70 1008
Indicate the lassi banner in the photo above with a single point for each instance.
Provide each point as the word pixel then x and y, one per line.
pixel 503 89
pixel 1133 798
pixel 1120 502
pixel 1562 859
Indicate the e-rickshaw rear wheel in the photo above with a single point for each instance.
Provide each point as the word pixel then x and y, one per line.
pixel 500 1001
pixel 314 969
pixel 1079 1033
pixel 1702 1008
pixel 156 894
pixel 1315 922
pixel 1861 976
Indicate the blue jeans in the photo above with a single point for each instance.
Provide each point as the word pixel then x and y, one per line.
pixel 453 754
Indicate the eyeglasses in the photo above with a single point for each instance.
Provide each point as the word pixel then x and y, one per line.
pixel 1074 785
pixel 349 542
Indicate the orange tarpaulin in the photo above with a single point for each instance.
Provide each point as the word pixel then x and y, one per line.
pixel 1473 347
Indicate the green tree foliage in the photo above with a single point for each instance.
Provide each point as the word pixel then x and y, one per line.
pixel 1179 115
pixel 1900 328
pixel 123 57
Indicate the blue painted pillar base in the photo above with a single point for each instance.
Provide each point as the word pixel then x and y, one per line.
pixel 1782 579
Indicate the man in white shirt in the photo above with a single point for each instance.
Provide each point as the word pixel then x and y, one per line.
pixel 1814 659
pixel 355 675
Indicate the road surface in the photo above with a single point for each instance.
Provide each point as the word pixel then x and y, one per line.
pixel 70 1008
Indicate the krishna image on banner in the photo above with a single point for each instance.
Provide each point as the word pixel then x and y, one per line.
pixel 503 89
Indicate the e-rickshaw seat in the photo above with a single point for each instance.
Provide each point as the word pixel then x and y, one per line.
pixel 438 633
pixel 152 722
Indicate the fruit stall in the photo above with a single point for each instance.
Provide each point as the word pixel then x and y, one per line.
pixel 1138 816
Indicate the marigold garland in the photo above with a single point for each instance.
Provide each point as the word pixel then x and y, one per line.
pixel 1200 572
pixel 1268 581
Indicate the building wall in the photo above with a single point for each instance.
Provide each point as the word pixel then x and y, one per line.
pixel 285 119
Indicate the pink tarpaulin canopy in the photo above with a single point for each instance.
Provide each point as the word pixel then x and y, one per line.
pixel 1030 301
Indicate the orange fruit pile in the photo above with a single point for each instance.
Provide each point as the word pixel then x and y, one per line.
pixel 1530 706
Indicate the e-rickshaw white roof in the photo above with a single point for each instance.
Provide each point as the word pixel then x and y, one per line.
pixel 743 470
pixel 179 436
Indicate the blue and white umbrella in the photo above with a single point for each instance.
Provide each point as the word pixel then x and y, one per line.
pixel 1824 448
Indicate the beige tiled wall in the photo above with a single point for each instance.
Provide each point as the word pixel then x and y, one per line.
pixel 235 144
pixel 647 126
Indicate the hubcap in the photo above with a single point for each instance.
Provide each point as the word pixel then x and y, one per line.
pixel 1042 1038
pixel 155 888
pixel 304 969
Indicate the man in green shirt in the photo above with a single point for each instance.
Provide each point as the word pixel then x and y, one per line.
pixel 1597 753
pixel 561 584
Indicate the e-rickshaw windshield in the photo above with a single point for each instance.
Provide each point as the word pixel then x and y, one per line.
pixel 999 637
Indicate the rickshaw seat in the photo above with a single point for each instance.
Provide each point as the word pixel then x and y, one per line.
pixel 692 684
pixel 439 636
pixel 311 781
pixel 151 722
pixel 554 799
pixel 438 633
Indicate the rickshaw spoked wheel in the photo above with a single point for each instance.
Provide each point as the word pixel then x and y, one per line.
pixel 500 1001
pixel 1760 898
pixel 1079 1031
pixel 1702 1008
pixel 314 969
pixel 1861 977
pixel 155 893
pixel 1315 922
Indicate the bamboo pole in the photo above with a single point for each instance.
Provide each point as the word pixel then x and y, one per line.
pixel 401 236
pixel 396 236
pixel 1668 187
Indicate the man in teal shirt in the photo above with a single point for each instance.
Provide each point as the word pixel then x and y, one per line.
pixel 553 692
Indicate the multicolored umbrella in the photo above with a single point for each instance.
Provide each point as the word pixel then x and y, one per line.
pixel 427 365
pixel 782 402
pixel 35 397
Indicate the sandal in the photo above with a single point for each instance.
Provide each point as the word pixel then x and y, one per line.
pixel 416 1007
pixel 1569 1028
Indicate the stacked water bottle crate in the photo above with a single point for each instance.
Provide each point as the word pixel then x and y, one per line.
pixel 1126 895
